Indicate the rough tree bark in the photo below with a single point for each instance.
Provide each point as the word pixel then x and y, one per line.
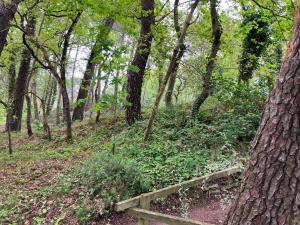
pixel 90 68
pixel 135 78
pixel 7 12
pixel 173 60
pixel 21 82
pixel 270 191
pixel 217 33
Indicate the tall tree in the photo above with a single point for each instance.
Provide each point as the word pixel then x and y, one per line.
pixel 175 55
pixel 172 80
pixel 136 70
pixel 254 43
pixel 21 81
pixel 59 73
pixel 90 69
pixel 7 12
pixel 216 33
pixel 270 190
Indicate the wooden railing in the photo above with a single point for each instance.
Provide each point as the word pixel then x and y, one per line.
pixel 139 206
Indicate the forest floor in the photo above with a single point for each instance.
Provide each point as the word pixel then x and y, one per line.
pixel 38 183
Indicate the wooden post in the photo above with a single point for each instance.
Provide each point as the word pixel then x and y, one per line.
pixel 144 204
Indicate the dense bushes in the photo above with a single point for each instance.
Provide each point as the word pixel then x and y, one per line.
pixel 113 178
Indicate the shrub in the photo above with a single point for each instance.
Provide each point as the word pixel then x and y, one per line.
pixel 113 178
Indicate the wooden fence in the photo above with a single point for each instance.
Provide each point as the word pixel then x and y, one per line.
pixel 139 206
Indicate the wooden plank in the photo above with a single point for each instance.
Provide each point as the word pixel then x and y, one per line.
pixel 133 202
pixel 144 204
pixel 192 183
pixel 173 220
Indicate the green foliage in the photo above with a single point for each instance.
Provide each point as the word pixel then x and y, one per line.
pixel 175 152
pixel 256 26
pixel 113 178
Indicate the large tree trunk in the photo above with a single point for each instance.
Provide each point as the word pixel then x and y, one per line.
pixel 135 78
pixel 270 192
pixel 21 82
pixel 217 32
pixel 90 68
pixel 7 12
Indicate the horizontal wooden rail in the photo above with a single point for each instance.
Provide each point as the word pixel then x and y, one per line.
pixel 167 219
pixel 133 202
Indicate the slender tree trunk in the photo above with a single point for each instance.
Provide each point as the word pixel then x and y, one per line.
pixel 106 84
pixel 172 80
pixel 98 93
pixel 90 68
pixel 12 74
pixel 47 131
pixel 10 150
pixel 35 103
pixel 217 33
pixel 135 78
pixel 51 93
pixel 21 82
pixel 116 91
pixel 47 88
pixel 54 93
pixel 28 120
pixel 62 81
pixel 176 51
pixel 270 191
pixel 11 81
pixel 67 108
pixel 7 12
pixel 90 98
pixel 58 107
pixel 34 72
pixel 72 79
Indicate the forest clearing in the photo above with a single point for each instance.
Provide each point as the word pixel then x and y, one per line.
pixel 150 112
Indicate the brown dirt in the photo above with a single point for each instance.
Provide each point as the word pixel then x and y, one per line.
pixel 203 206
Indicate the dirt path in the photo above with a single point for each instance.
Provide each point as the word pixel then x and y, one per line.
pixel 207 208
